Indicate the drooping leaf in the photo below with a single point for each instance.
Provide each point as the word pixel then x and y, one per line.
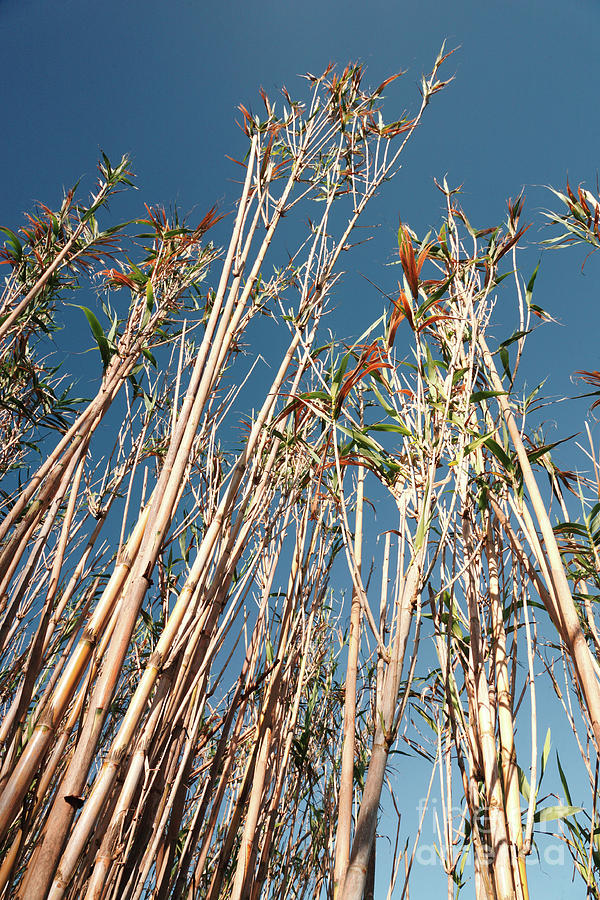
pixel 96 329
pixel 523 783
pixel 530 284
pixel 149 309
pixel 150 357
pixel 16 248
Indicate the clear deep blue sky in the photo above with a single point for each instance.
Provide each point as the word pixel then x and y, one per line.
pixel 162 80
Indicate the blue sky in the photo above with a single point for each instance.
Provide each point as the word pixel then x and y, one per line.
pixel 161 81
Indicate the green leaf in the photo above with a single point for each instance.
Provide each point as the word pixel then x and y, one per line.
pixel 545 754
pixel 523 783
pixel 314 395
pixel 563 780
pixel 399 429
pixel 423 525
pixel 515 336
pixel 96 329
pixel 534 393
pixel 389 409
pixel 185 552
pixel 427 718
pixel 110 337
pixel 337 378
pixel 149 401
pixel 136 274
pixel 434 297
pixel 482 439
pixel 150 357
pixel 360 438
pixel 486 395
pixel 505 362
pixel 530 284
pixel 16 248
pixel 537 452
pixel 500 454
pixel 551 813
pixel 149 304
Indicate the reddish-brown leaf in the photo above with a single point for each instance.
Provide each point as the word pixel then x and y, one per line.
pixel 385 83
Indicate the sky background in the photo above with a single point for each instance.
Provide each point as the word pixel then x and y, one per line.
pixel 161 81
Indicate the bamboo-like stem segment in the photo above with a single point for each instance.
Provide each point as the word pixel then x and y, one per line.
pixel 346 790
pixel 508 757
pixel 356 873
pixel 573 635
